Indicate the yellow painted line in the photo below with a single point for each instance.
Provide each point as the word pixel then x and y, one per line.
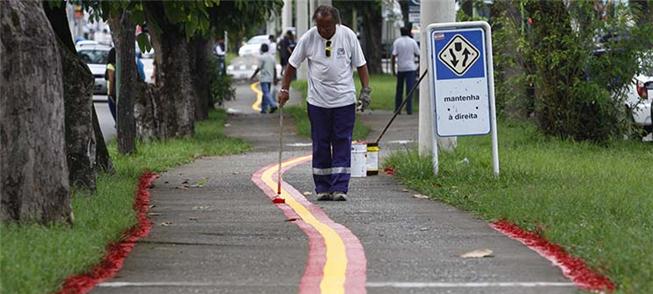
pixel 259 96
pixel 335 267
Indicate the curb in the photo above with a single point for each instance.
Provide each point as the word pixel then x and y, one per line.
pixel 116 252
pixel 572 267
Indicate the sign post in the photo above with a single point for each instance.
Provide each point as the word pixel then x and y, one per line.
pixel 462 83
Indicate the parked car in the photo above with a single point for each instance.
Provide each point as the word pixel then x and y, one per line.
pixel 638 102
pixel 253 45
pixel 95 56
pixel 83 43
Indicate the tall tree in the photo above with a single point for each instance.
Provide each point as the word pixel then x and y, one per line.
pixel 198 49
pixel 371 41
pixel 123 30
pixel 34 181
pixel 78 100
pixel 171 24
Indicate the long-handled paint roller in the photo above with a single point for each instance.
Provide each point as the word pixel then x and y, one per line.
pixel 400 107
pixel 373 148
pixel 279 199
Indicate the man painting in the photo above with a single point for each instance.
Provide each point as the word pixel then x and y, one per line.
pixel 332 50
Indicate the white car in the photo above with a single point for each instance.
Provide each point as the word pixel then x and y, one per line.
pixel 95 56
pixel 148 68
pixel 640 96
pixel 253 45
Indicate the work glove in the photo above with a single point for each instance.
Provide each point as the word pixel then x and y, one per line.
pixel 364 99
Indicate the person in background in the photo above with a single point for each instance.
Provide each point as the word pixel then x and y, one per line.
pixel 110 77
pixel 404 51
pixel 284 49
pixel 272 45
pixel 220 52
pixel 268 76
pixel 332 51
pixel 140 67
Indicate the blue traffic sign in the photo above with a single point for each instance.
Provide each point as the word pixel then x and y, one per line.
pixel 458 50
pixel 461 82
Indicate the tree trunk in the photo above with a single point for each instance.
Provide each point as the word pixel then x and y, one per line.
pixel 78 101
pixel 80 140
pixel 155 116
pixel 34 182
pixel 123 38
pixel 173 73
pixel 198 49
pixel 147 112
pixel 176 85
pixel 372 48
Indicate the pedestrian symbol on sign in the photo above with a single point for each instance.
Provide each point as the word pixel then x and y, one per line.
pixel 459 55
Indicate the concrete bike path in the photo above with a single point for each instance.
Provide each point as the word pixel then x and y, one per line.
pixel 216 231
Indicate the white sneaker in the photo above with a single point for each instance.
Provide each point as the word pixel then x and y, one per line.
pixel 339 196
pixel 324 196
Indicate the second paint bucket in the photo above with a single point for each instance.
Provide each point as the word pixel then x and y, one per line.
pixel 373 159
pixel 358 160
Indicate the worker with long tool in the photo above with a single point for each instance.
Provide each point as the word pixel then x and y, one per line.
pixel 332 50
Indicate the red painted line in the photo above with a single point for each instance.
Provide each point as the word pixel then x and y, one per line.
pixel 117 252
pixel 313 271
pixel 356 274
pixel 572 267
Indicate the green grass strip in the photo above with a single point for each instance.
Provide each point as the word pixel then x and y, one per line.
pixel 36 259
pixel 303 125
pixel 597 202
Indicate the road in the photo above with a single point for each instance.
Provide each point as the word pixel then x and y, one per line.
pixel 107 124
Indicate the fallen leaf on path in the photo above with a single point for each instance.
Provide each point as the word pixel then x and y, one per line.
pixel 165 224
pixel 227 125
pixel 405 190
pixel 420 196
pixel 200 183
pixel 479 253
pixel 307 193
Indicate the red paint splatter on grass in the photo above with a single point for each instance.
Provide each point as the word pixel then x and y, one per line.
pixel 572 267
pixel 117 252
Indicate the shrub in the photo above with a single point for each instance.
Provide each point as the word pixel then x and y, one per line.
pixel 220 84
pixel 551 64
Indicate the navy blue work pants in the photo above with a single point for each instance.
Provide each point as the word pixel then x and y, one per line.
pixel 331 131
pixel 409 77
pixel 112 106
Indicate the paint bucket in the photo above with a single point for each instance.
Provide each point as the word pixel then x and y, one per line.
pixel 373 159
pixel 358 160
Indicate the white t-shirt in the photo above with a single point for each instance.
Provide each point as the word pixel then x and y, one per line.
pixel 266 65
pixel 330 79
pixel 272 48
pixel 405 49
pixel 218 50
